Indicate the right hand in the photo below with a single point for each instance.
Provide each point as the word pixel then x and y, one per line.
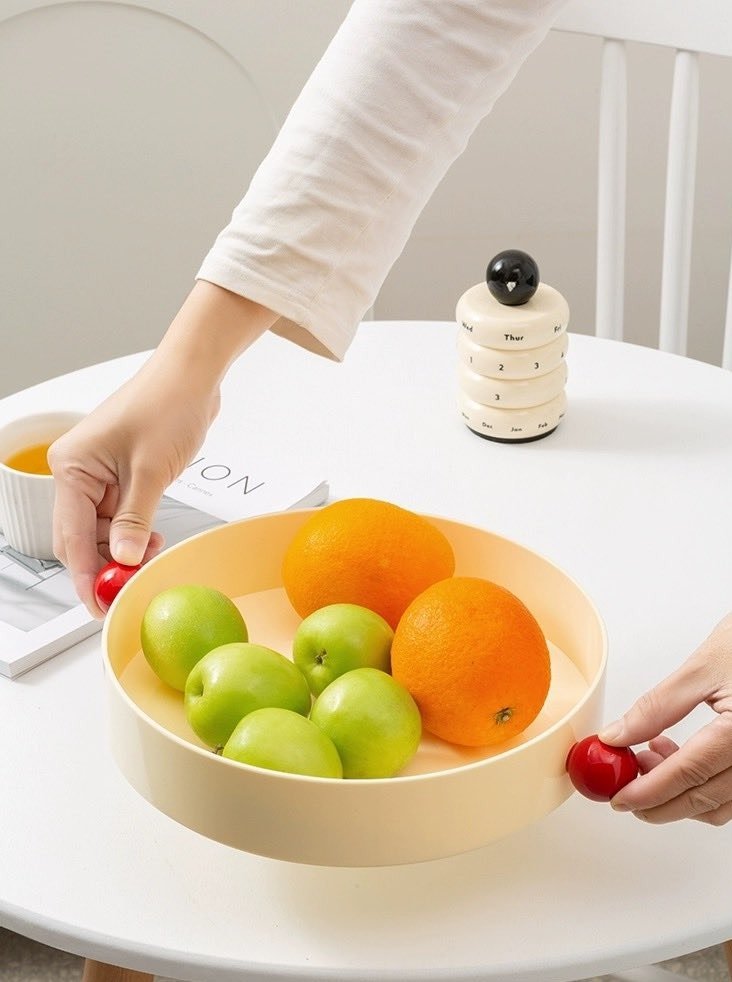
pixel 693 780
pixel 112 469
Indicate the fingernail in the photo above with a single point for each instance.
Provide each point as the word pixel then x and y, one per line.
pixel 612 732
pixel 126 552
pixel 619 807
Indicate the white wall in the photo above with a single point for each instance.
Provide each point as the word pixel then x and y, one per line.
pixel 120 123
pixel 129 131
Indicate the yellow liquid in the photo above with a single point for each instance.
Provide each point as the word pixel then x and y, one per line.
pixel 31 460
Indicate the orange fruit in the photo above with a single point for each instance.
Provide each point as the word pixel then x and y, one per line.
pixel 474 659
pixel 367 552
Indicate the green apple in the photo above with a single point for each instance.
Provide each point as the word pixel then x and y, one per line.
pixel 373 721
pixel 337 639
pixel 182 624
pixel 282 740
pixel 235 679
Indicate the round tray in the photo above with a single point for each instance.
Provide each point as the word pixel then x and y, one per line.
pixel 449 800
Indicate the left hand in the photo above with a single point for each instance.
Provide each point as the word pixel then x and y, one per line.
pixel 694 780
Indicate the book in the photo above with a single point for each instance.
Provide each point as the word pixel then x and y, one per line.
pixel 40 613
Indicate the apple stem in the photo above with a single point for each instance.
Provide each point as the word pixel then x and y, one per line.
pixel 219 749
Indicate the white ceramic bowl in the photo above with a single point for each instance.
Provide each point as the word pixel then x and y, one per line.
pixel 449 800
pixel 26 500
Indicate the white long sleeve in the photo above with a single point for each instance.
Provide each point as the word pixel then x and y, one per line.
pixel 390 106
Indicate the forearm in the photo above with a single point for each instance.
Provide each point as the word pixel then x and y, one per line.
pixel 390 106
pixel 211 329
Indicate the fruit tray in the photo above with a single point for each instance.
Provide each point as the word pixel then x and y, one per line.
pixel 447 801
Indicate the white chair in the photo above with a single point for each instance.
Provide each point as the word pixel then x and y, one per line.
pixel 691 30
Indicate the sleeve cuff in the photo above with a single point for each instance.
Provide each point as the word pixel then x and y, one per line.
pixel 296 322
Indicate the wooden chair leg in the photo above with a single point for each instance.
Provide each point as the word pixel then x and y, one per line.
pixel 100 972
pixel 727 946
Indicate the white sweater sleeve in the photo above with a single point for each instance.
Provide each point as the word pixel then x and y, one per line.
pixel 390 106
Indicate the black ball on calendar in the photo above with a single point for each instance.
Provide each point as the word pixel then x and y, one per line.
pixel 512 277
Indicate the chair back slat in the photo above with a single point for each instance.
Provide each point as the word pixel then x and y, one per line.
pixel 611 192
pixel 689 30
pixel 679 216
pixel 695 25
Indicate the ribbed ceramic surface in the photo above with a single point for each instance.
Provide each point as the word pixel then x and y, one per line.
pixel 26 500
pixel 26 512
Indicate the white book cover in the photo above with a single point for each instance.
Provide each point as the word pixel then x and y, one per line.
pixel 40 614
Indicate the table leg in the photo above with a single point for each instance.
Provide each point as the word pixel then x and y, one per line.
pixel 100 972
pixel 727 946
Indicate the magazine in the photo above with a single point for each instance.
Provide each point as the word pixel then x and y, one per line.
pixel 40 614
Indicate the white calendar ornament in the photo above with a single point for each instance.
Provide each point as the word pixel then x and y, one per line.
pixel 512 344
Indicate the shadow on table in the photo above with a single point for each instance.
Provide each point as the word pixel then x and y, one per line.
pixel 364 913
pixel 643 426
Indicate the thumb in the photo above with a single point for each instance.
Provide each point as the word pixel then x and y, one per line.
pixel 662 706
pixel 131 526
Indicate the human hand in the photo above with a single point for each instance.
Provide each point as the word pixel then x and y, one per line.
pixel 694 780
pixel 112 469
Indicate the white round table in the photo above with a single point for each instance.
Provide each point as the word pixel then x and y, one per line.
pixel 631 496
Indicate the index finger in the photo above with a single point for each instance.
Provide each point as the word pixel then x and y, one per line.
pixel 75 540
pixel 706 754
